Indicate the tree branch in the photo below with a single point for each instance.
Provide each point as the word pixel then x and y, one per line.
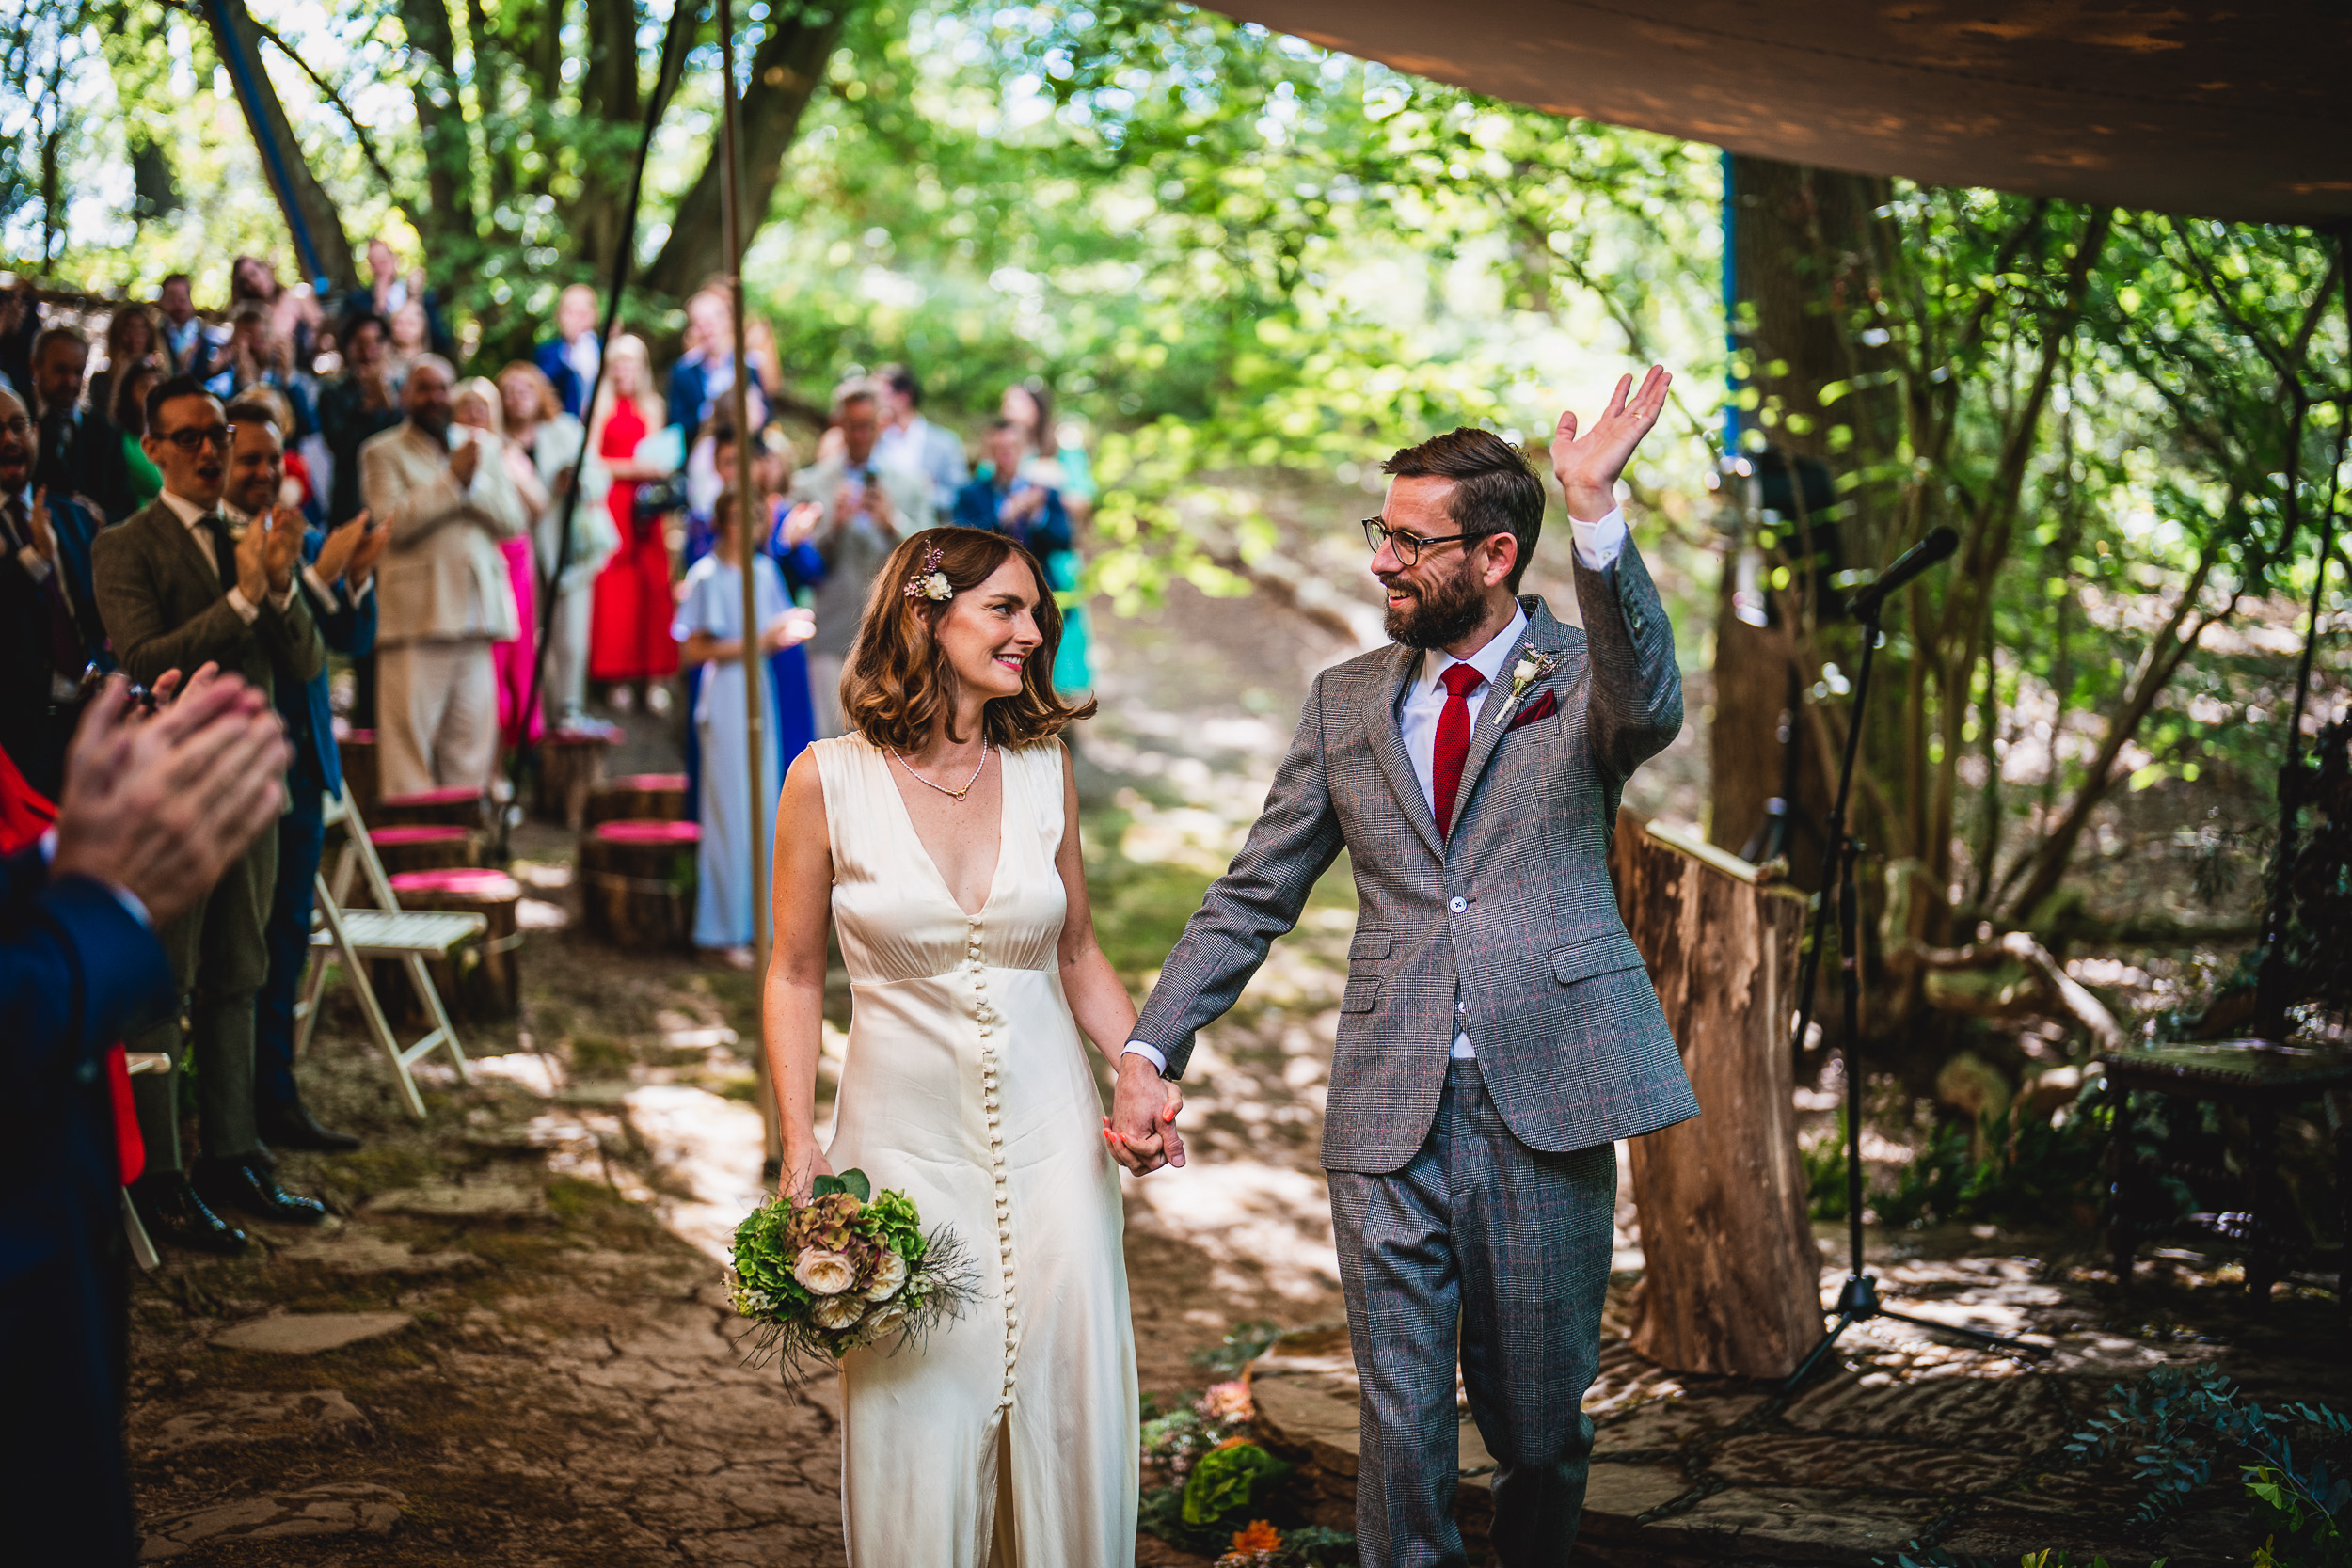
pixel 326 89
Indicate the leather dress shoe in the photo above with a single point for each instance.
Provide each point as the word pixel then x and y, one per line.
pixel 170 1210
pixel 248 1185
pixel 293 1126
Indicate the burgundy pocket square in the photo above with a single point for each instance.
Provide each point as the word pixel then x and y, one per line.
pixel 1542 708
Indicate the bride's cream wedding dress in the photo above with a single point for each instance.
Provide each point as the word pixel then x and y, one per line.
pixel 1008 1436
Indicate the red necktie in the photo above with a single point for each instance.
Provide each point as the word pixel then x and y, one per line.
pixel 1454 732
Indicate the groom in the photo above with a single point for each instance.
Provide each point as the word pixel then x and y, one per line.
pixel 1498 1030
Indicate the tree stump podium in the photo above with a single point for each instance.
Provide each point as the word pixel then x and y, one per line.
pixel 483 981
pixel 571 764
pixel 457 807
pixel 637 883
pixel 639 798
pixel 1731 1276
pixel 356 749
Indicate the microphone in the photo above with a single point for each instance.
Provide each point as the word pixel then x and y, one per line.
pixel 1937 545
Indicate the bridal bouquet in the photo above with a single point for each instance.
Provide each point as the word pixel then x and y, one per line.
pixel 846 1269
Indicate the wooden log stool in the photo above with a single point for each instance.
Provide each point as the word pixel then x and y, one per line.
pixel 356 751
pixel 571 764
pixel 481 981
pixel 457 807
pixel 1731 1275
pixel 637 796
pixel 637 882
pixel 425 848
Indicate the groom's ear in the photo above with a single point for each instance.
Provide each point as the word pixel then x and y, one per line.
pixel 1497 558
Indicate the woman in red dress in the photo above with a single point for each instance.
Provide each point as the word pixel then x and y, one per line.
pixel 628 641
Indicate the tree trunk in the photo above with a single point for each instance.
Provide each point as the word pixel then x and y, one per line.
pixel 307 205
pixel 1799 237
pixel 1730 1278
pixel 786 71
pixel 441 119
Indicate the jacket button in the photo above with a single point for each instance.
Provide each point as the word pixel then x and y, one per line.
pixel 1457 904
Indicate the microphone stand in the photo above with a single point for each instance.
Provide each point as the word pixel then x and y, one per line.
pixel 1858 1302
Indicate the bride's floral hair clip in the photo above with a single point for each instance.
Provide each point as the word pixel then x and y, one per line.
pixel 929 582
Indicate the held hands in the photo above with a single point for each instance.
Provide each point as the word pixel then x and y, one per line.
pixel 1141 1128
pixel 1589 466
pixel 253 562
pixel 464 462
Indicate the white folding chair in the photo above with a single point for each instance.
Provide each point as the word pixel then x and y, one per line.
pixel 386 931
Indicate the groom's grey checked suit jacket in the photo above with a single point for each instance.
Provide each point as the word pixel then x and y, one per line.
pixel 1514 915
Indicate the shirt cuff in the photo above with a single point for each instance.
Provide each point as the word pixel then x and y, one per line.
pixel 247 610
pixel 1150 1053
pixel 282 602
pixel 317 584
pixel 1598 544
pixel 132 905
pixel 35 563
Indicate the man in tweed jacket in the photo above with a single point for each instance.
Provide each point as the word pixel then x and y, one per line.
pixel 1499 1030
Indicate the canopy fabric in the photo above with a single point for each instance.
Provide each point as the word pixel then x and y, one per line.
pixel 2217 111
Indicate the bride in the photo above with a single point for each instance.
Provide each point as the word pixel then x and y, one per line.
pixel 939 839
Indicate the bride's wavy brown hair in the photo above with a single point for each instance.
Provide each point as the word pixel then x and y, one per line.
pixel 897 681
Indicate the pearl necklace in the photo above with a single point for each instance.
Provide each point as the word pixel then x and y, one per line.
pixel 952 793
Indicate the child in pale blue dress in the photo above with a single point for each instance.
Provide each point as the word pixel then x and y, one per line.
pixel 708 630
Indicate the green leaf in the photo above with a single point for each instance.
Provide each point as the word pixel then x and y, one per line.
pixel 825 1186
pixel 854 1183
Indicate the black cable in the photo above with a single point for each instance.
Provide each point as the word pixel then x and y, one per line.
pixel 683 20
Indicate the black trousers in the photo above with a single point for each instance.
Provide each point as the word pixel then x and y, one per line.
pixel 65 1489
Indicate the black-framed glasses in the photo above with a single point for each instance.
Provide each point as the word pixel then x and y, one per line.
pixel 203 436
pixel 1407 545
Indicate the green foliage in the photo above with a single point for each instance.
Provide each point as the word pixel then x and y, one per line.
pixel 1224 1479
pixel 851 1181
pixel 2178 1423
pixel 1824 1164
pixel 2030 1172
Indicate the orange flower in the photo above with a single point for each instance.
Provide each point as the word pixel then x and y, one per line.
pixel 1260 1537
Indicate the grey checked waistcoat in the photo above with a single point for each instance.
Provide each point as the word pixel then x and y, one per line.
pixel 1514 914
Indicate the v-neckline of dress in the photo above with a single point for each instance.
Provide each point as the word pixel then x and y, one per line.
pixel 995 873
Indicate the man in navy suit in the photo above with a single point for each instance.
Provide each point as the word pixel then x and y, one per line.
pixel 49 625
pixel 153 811
pixel 707 373
pixel 336 577
pixel 569 359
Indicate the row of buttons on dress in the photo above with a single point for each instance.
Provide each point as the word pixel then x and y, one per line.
pixel 986 1015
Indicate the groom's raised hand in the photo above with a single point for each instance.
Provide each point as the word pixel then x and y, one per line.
pixel 1141 1128
pixel 1589 464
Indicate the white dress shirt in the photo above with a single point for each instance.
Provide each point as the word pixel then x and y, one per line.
pixel 1598 545
pixel 190 516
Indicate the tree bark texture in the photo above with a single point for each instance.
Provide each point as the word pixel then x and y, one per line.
pixel 440 119
pixel 787 68
pixel 304 199
pixel 1730 1281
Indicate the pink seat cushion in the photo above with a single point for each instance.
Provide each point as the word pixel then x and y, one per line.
pixel 417 835
pixel 584 737
pixel 648 782
pixel 638 830
pixel 433 796
pixel 356 737
pixel 474 881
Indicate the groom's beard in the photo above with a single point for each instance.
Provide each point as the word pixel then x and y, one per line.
pixel 1440 615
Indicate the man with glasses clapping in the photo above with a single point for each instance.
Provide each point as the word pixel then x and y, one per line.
pixel 179 589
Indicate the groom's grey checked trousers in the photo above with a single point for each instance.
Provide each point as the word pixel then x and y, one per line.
pixel 1509 1247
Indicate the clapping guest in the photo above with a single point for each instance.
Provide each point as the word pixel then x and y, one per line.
pixel 1005 500
pixel 537 427
pixel 142 482
pixel 66 454
pixel 911 441
pixel 629 642
pixel 443 597
pixel 50 628
pixel 706 372
pixel 178 591
pixel 335 581
pixel 131 337
pixel 476 406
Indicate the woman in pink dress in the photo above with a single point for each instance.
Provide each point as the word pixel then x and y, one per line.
pixel 629 645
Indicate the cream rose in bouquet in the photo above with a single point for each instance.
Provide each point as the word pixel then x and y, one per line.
pixel 848 1268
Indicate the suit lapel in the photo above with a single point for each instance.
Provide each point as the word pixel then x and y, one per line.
pixel 1387 744
pixel 1542 635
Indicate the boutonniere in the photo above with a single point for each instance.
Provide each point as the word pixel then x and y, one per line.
pixel 1533 665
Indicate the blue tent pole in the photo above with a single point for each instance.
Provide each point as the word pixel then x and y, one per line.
pixel 242 75
pixel 1731 314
